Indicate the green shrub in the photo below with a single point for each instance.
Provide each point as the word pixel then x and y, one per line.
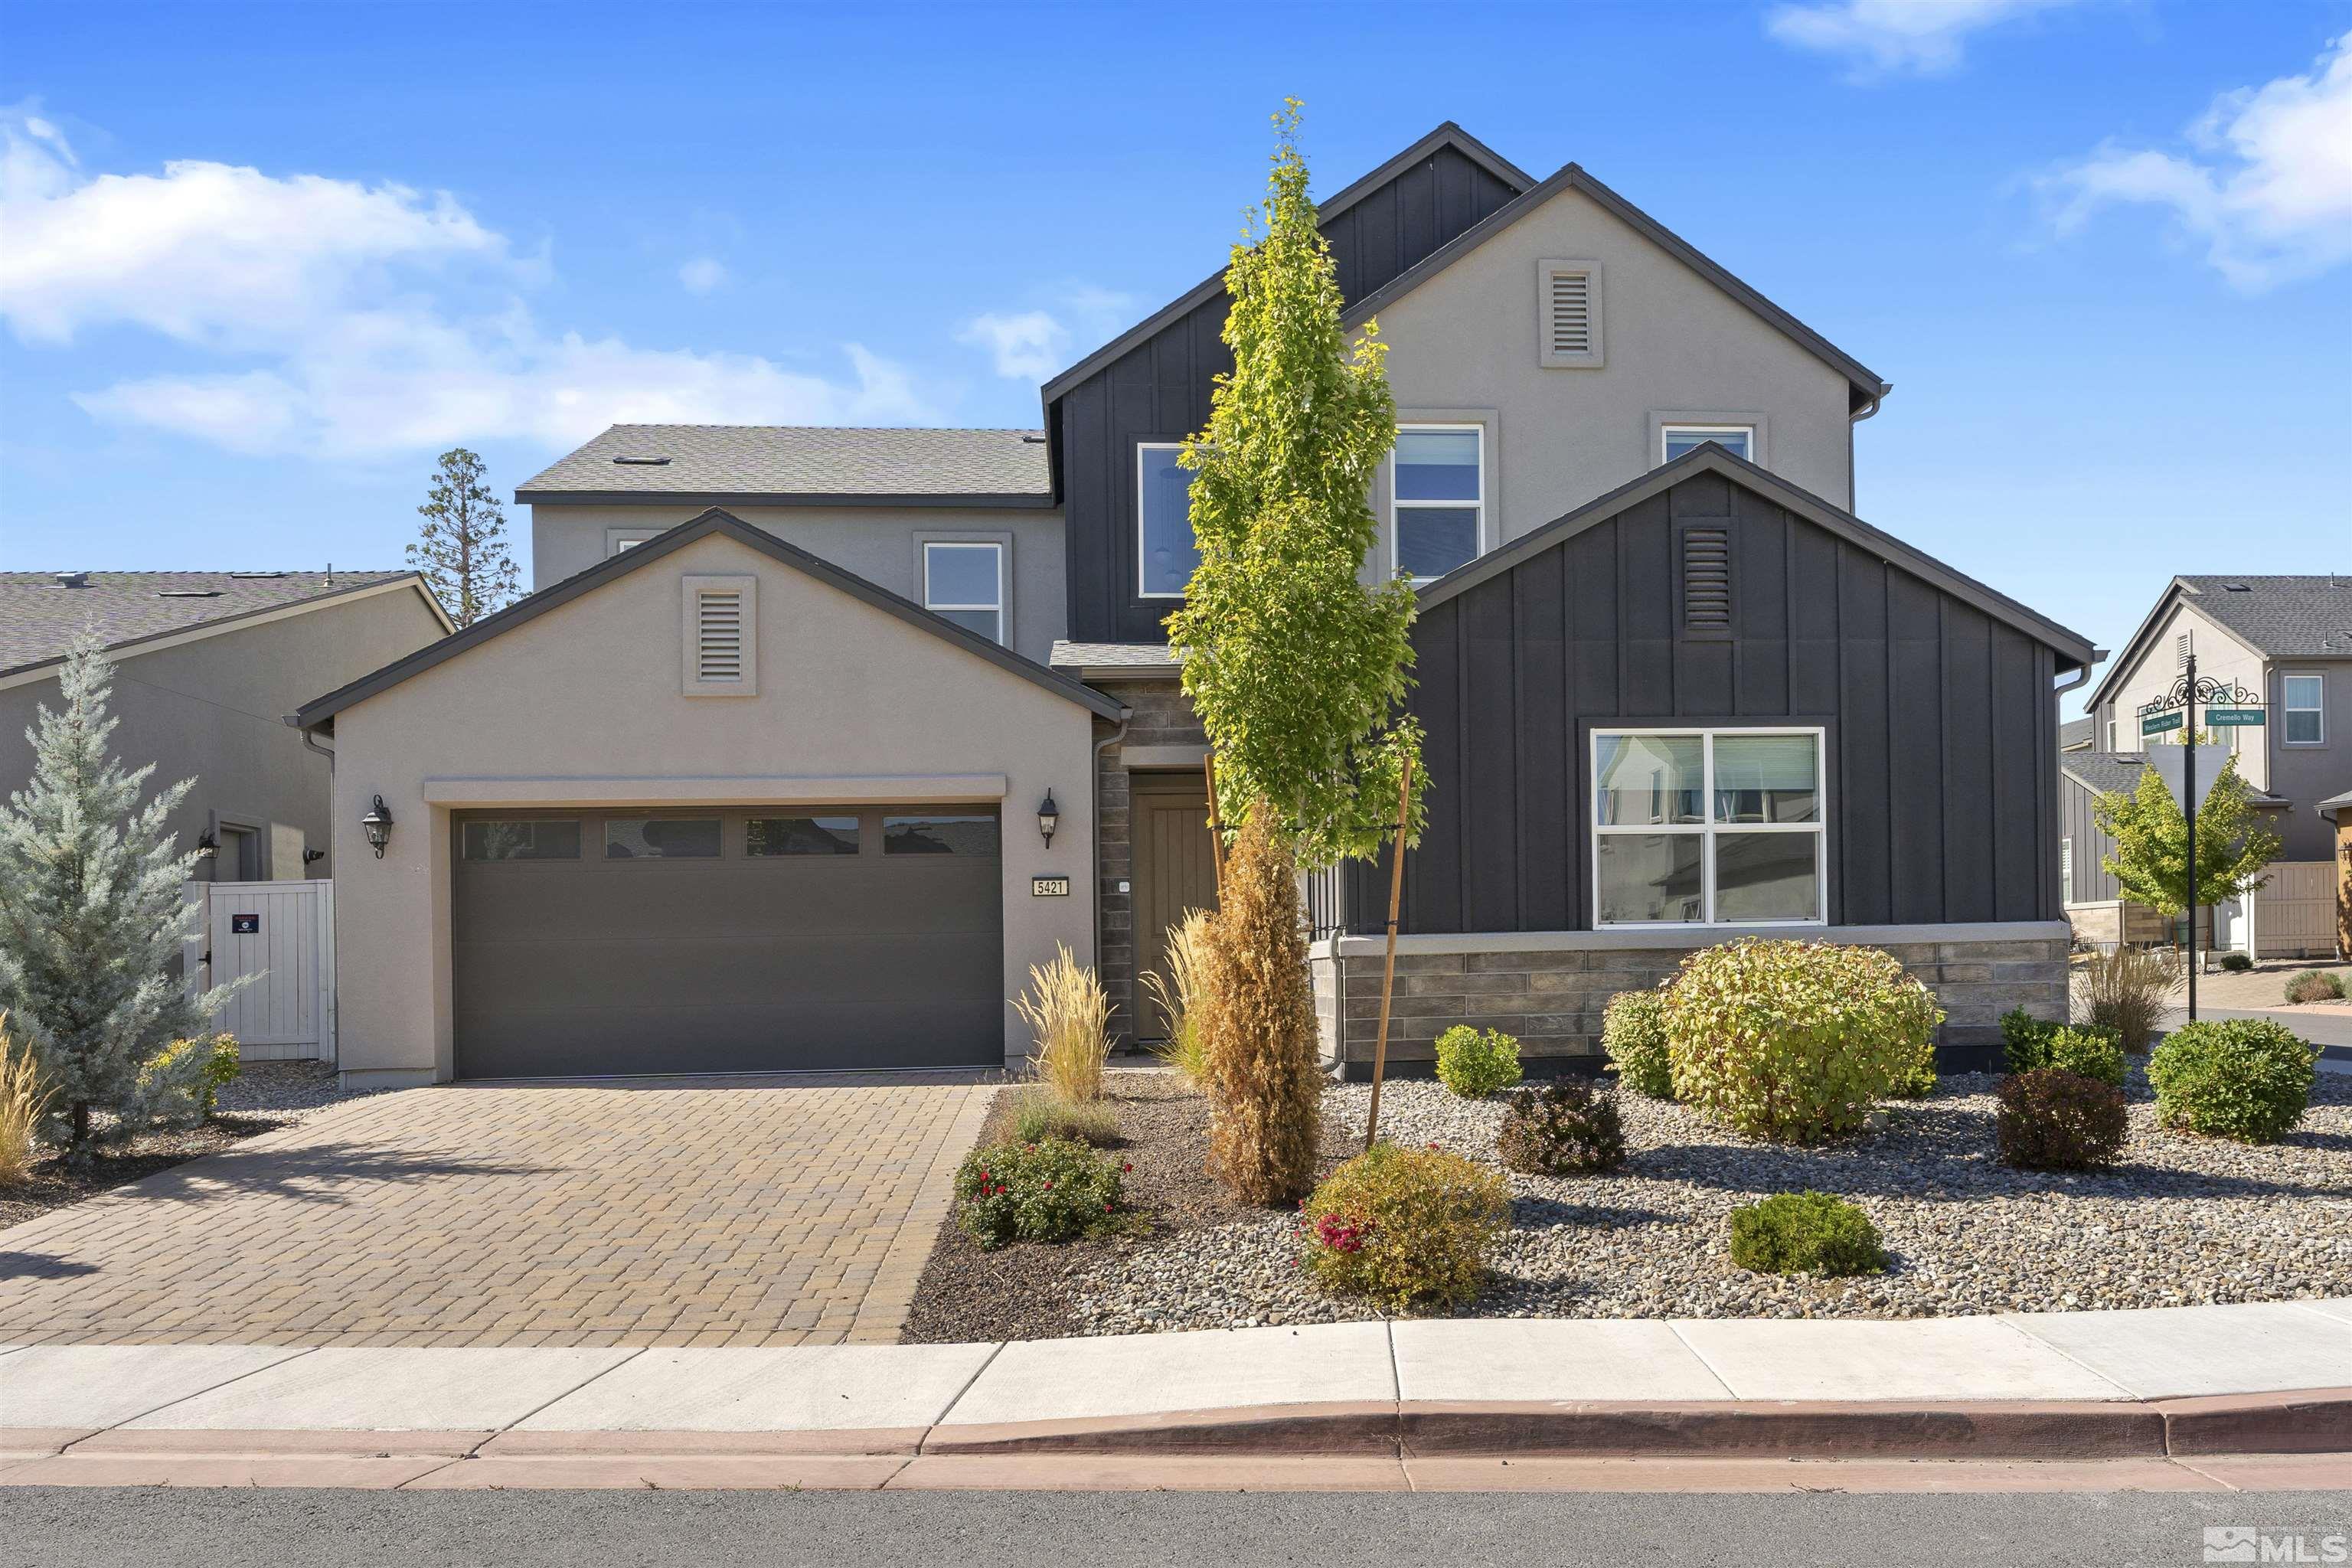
pixel 1793 1041
pixel 2025 1039
pixel 1633 1033
pixel 2247 1079
pixel 181 1082
pixel 1408 1229
pixel 1805 1233
pixel 1562 1129
pixel 1053 1190
pixel 2314 986
pixel 1476 1063
pixel 1039 1114
pixel 2237 962
pixel 1916 1081
pixel 2053 1120
pixel 2092 1051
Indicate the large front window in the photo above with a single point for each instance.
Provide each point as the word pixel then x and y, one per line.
pixel 1440 494
pixel 1163 515
pixel 1707 827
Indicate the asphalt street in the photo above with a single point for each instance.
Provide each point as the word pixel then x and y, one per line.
pixel 153 1528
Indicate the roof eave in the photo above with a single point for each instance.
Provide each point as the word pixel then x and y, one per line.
pixel 1012 501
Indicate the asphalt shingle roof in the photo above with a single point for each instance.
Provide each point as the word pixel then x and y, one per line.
pixel 2117 772
pixel 40 617
pixel 2282 617
pixel 1112 655
pixel 802 461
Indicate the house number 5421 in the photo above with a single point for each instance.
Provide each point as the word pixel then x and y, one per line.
pixel 1049 887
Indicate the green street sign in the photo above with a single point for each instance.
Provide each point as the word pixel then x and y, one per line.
pixel 2234 718
pixel 2157 724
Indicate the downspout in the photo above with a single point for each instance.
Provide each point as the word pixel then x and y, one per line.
pixel 1852 503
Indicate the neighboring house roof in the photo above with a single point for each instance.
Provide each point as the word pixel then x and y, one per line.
pixel 1114 660
pixel 2117 772
pixel 714 519
pixel 2277 617
pixel 2073 649
pixel 41 617
pixel 1867 386
pixel 747 464
pixel 2335 805
pixel 2075 735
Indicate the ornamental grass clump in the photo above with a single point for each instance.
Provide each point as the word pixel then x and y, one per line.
pixel 2247 1079
pixel 2126 991
pixel 1805 1233
pixel 2314 985
pixel 1476 1063
pixel 1068 1012
pixel 23 1100
pixel 1172 996
pixel 1633 1033
pixel 1038 1114
pixel 1565 1128
pixel 1257 1017
pixel 1055 1190
pixel 1407 1229
pixel 2054 1120
pixel 1793 1041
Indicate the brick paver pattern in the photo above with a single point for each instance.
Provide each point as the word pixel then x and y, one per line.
pixel 774 1213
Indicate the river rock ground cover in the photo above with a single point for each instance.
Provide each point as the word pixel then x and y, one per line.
pixel 2179 1220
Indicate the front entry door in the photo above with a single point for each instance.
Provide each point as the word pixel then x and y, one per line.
pixel 1174 872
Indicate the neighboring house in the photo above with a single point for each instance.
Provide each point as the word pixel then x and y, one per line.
pixel 2077 734
pixel 2288 640
pixel 206 666
pixel 792 784
pixel 2095 908
pixel 2337 811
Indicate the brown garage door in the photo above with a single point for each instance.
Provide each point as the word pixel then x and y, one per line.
pixel 746 940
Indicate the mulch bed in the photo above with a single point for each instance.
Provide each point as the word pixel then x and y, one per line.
pixel 1024 1291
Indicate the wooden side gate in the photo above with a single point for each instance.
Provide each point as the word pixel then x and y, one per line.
pixel 282 935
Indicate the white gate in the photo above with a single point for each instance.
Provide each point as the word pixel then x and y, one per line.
pixel 282 934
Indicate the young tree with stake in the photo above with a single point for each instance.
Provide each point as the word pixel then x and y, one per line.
pixel 2150 860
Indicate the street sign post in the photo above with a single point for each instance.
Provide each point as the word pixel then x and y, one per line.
pixel 2161 724
pixel 2226 707
pixel 2233 718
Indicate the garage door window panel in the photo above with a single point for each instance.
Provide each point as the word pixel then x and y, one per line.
pixel 769 837
pixel 661 838
pixel 525 839
pixel 939 835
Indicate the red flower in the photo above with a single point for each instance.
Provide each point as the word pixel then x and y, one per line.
pixel 1107 1208
pixel 1127 1164
pixel 1049 1187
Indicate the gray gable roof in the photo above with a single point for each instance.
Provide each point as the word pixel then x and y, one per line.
pixel 40 617
pixel 2280 617
pixel 841 466
pixel 2117 772
pixel 2075 735
pixel 713 520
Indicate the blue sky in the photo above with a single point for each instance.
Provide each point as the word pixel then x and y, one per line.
pixel 258 264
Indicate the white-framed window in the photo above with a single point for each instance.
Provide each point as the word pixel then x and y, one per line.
pixel 1437 499
pixel 2066 869
pixel 616 540
pixel 963 580
pixel 2114 727
pixel 1165 554
pixel 2304 702
pixel 1708 827
pixel 1673 440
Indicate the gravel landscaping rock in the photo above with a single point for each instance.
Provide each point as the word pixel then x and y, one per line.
pixel 2180 1220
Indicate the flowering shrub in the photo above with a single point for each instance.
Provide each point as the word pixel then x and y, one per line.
pixel 1633 1033
pixel 1476 1063
pixel 1792 1041
pixel 1805 1233
pixel 1560 1129
pixel 1049 1191
pixel 181 1082
pixel 1407 1228
pixel 2247 1079
pixel 2054 1120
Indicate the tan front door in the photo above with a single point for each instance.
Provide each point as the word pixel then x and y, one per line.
pixel 1174 872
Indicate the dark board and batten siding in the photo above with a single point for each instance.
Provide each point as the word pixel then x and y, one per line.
pixel 1158 390
pixel 1941 729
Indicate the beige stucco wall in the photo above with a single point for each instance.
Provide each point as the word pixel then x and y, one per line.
pixel 591 692
pixel 880 543
pixel 1467 341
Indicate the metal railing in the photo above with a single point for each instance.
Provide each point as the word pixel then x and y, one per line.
pixel 1323 895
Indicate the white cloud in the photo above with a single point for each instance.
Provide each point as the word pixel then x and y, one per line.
pixel 1029 346
pixel 1885 36
pixel 702 274
pixel 2270 190
pixel 360 320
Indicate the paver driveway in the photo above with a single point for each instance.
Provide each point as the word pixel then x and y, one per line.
pixel 678 1212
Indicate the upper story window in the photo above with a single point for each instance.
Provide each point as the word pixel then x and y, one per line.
pixel 1707 827
pixel 964 583
pixel 1676 439
pixel 1163 520
pixel 2305 701
pixel 2115 728
pixel 1439 498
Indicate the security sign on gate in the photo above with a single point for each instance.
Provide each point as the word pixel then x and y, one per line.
pixel 245 925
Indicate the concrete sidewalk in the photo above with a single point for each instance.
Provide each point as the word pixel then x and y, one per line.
pixel 2165 1388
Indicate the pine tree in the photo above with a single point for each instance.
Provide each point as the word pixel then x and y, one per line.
pixel 462 547
pixel 92 914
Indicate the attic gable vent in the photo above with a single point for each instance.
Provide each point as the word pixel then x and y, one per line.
pixel 721 629
pixel 1568 297
pixel 1706 580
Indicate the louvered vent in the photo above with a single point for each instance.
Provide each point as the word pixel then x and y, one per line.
pixel 719 636
pixel 1571 314
pixel 1706 579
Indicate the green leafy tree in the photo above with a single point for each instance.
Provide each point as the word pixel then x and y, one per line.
pixel 1296 668
pixel 462 547
pixel 2150 859
pixel 92 916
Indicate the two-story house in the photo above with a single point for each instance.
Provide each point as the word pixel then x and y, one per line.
pixel 2287 642
pixel 811 743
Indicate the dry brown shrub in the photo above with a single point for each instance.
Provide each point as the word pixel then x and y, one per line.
pixel 1255 1008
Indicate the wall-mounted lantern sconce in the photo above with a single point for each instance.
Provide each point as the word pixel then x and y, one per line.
pixel 1049 818
pixel 207 845
pixel 377 825
pixel 311 856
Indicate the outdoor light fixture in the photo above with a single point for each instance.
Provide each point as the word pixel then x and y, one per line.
pixel 377 825
pixel 1049 818
pixel 207 845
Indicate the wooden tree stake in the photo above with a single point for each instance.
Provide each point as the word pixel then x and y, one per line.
pixel 1388 975
pixel 1216 828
